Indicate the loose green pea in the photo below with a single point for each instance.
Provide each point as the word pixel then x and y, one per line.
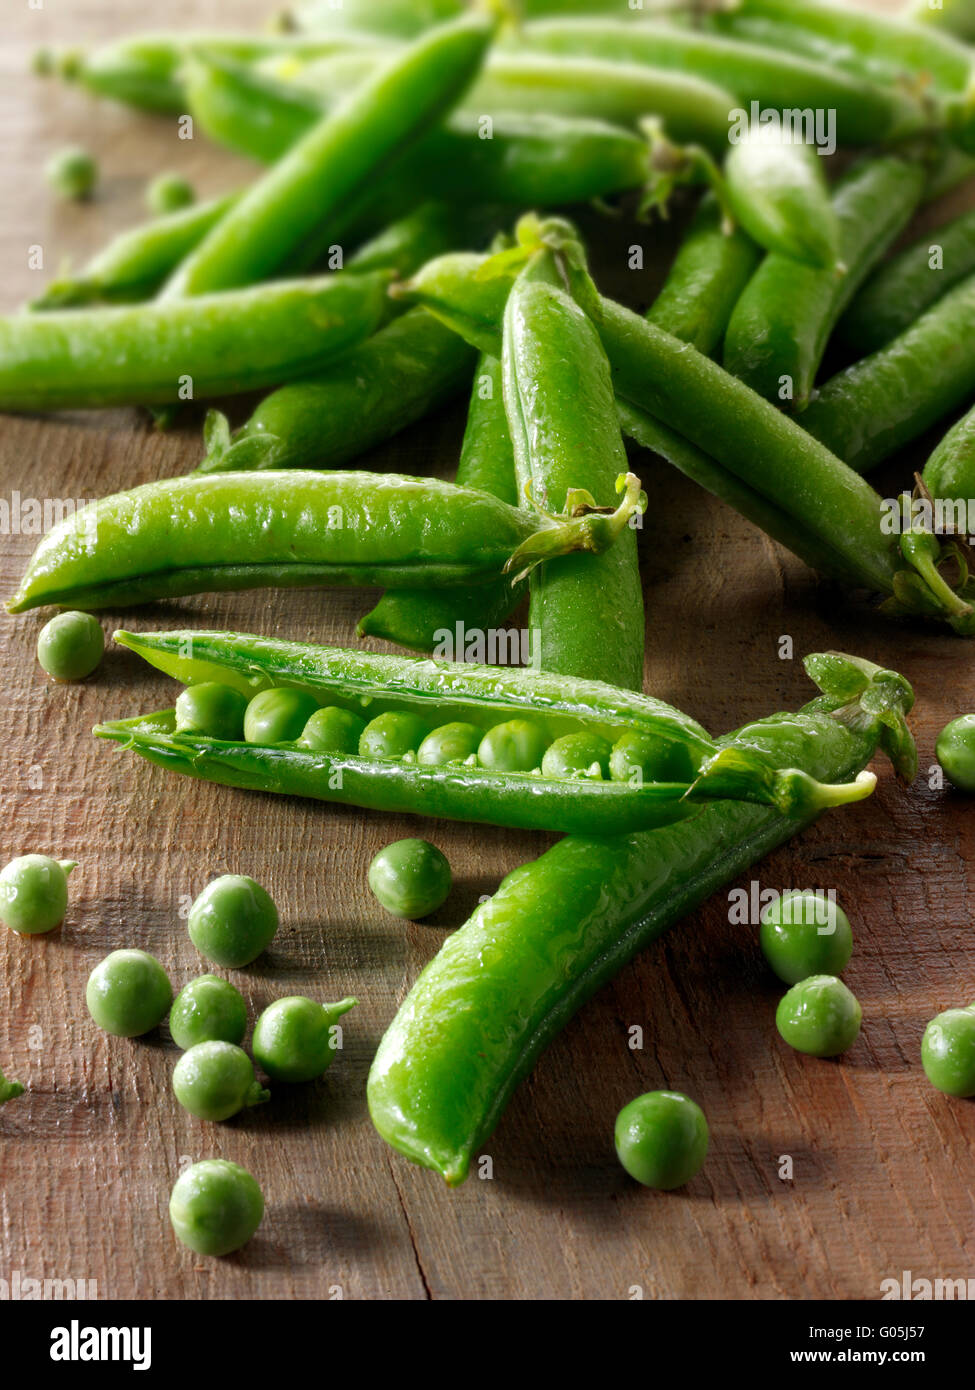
pixel 332 730
pixel 232 921
pixel 294 1038
pixel 803 934
pixel 215 1080
pixel 411 878
pixel 34 893
pixel 215 1207
pixel 662 1139
pixel 9 1090
pixel 955 750
pixel 208 1009
pixel 637 759
pixel 393 735
pixel 515 746
pixel 169 193
pixel 577 755
pixel 278 716
pixel 128 993
pixel 819 1016
pixel 451 743
pixel 948 1052
pixel 72 173
pixel 211 709
pixel 70 646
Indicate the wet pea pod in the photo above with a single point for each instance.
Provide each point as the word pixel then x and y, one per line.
pixel 776 189
pixel 949 474
pixel 517 716
pixel 504 985
pixel 782 322
pixel 956 17
pixel 291 528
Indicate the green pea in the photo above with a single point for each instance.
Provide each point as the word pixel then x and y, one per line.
pixel 516 746
pixel 70 646
pixel 215 1207
pixel 948 1052
pixel 294 1039
pixel 72 173
pixel 577 755
pixel 637 758
pixel 278 716
pixel 208 1009
pixel 128 993
pixel 956 752
pixel 819 1016
pixel 34 893
pixel 662 1139
pixel 211 709
pixel 392 735
pixel 332 730
pixel 411 878
pixel 232 921
pixel 803 934
pixel 215 1080
pixel 451 743
pixel 168 193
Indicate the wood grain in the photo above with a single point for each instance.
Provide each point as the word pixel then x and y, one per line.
pixel 882 1164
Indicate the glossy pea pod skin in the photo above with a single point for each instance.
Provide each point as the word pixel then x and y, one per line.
pixel 883 402
pixel 777 191
pixel 784 318
pixel 143 354
pixel 503 986
pixel 317 182
pixel 950 471
pixel 709 274
pixel 428 620
pixel 956 17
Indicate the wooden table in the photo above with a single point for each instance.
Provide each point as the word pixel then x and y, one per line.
pixel 882 1168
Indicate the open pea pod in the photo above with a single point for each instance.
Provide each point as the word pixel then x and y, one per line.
pixel 441 693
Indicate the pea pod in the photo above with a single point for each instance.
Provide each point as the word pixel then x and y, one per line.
pixel 432 692
pixel 504 985
pixel 289 529
pixel 777 191
pixel 956 17
pixel 152 354
pixel 949 473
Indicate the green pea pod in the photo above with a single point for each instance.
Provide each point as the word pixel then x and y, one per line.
pixel 782 322
pixel 290 529
pixel 432 692
pixel 504 985
pixel 161 352
pixel 956 17
pixel 950 471
pixel 777 191
pixel 711 269
pixel 908 284
pixel 317 182
pixel 9 1090
pixel 454 620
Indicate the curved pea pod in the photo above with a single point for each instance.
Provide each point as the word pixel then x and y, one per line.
pixel 287 529
pixel 950 471
pixel 504 985
pixel 777 191
pixel 442 692
pixel 221 344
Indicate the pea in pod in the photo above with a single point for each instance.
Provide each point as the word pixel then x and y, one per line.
pixel 438 694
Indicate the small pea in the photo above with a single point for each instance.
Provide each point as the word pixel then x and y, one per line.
pixel 9 1090
pixel 948 1052
pixel 70 646
pixel 215 1080
pixel 169 193
pixel 803 934
pixel 278 715
pixel 451 743
pixel 637 758
pixel 662 1139
pixel 215 1207
pixel 128 993
pixel 294 1038
pixel 577 755
pixel 393 735
pixel 34 893
pixel 72 173
pixel 232 921
pixel 819 1016
pixel 411 878
pixel 955 750
pixel 515 746
pixel 208 1009
pixel 332 730
pixel 211 709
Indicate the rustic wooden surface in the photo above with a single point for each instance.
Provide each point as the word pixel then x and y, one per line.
pixel 883 1170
